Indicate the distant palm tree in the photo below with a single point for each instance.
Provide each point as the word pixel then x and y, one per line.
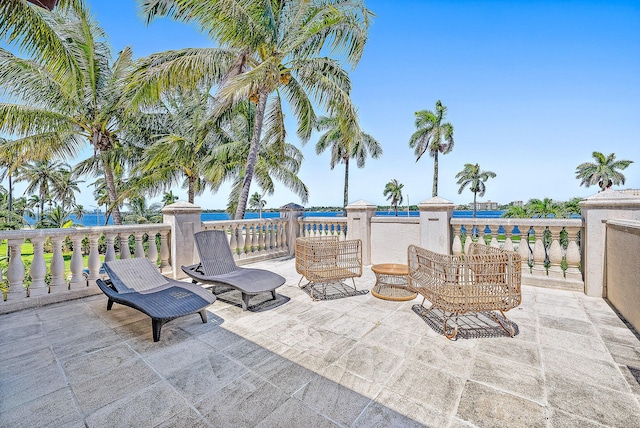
pixel 347 141
pixel 256 202
pixel 515 211
pixel 169 198
pixel 57 218
pixel 40 177
pixel 572 207
pixel 433 136
pixel 267 50
pixel 140 212
pixel 542 208
pixel 472 176
pixel 393 192
pixel 603 172
pixel 65 187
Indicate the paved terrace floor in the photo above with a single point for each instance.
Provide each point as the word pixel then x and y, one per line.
pixel 352 362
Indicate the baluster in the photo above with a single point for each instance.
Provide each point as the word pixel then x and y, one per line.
pixel 572 255
pixel 152 253
pixel 139 253
pixel 234 241
pixel 110 254
pixel 77 262
pixel 508 242
pixel 555 253
pixel 539 251
pixel 94 259
pixel 469 239
pixel 272 236
pixel 57 262
pixel 301 228
pixel 125 252
pixel 481 236
pixel 523 247
pixel 283 236
pixel 15 272
pixel 255 247
pixel 494 237
pixel 38 269
pixel 165 254
pixel 456 247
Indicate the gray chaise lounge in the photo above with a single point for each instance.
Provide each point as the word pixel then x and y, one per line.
pixel 217 267
pixel 137 283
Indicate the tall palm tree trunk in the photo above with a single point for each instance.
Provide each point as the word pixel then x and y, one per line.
pixel 191 192
pixel 346 185
pixel 474 204
pixel 253 156
pixel 111 190
pixel 434 193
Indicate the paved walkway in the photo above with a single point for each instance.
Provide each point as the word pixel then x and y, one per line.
pixel 355 362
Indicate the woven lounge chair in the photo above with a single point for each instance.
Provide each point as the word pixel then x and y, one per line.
pixel 137 283
pixel 327 260
pixel 486 279
pixel 217 267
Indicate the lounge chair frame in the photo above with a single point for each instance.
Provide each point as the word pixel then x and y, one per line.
pixel 486 279
pixel 327 260
pixel 218 268
pixel 137 283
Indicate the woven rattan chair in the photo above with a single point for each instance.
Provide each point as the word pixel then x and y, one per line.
pixel 486 279
pixel 327 260
pixel 137 283
pixel 217 267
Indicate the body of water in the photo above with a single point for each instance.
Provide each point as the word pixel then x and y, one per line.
pixel 93 219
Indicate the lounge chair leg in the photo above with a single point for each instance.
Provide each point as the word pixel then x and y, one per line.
pixel 109 304
pixel 245 301
pixel 203 316
pixel 156 325
pixel 273 294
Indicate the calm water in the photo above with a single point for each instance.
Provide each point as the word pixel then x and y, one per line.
pixel 93 219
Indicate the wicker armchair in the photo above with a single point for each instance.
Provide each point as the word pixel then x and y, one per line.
pixel 327 260
pixel 484 280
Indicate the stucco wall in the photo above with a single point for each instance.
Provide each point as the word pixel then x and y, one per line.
pixel 623 268
pixel 390 237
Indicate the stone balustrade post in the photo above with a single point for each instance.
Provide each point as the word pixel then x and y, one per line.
pixel 125 252
pixel 596 210
pixel 110 254
pixel 38 268
pixel 539 253
pixel 94 259
pixel 523 247
pixel 572 255
pixel 139 252
pixel 152 252
pixel 57 262
pixel 16 272
pixel 555 253
pixel 359 215
pixel 435 225
pixel 456 247
pixel 290 213
pixel 164 249
pixel 508 241
pixel 77 263
pixel 185 220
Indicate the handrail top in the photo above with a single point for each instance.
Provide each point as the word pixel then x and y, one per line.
pixel 322 219
pixel 91 230
pixel 245 221
pixel 570 222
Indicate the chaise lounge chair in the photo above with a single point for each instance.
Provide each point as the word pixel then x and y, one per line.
pixel 137 283
pixel 217 267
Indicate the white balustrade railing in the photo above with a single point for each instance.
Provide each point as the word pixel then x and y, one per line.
pixel 323 226
pixel 39 279
pixel 253 238
pixel 550 248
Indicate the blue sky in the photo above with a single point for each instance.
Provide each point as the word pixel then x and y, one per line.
pixel 532 88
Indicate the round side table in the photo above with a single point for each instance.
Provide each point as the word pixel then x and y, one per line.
pixel 391 282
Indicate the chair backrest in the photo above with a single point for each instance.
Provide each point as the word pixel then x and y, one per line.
pixel 215 253
pixel 134 275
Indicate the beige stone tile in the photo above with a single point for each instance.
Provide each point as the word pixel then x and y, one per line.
pixel 487 407
pixel 591 346
pixel 567 324
pixel 371 362
pixel 20 389
pixel 520 351
pixel 560 419
pixel 294 413
pixel 392 410
pixel 55 409
pixel 509 376
pixel 455 360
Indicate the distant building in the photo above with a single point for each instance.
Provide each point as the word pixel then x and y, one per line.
pixel 517 204
pixel 485 206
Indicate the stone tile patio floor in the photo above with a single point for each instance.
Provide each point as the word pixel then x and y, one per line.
pixel 355 362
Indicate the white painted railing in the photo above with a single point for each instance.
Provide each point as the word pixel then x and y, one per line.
pixel 54 278
pixel 323 226
pixel 555 259
pixel 253 239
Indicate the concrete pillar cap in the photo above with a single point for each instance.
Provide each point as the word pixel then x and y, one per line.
pixel 182 207
pixel 361 204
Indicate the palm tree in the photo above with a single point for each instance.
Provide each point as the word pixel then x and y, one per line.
pixel 347 141
pixel 571 207
pixel 433 136
pixel 140 212
pixel 169 198
pixel 256 202
pixel 71 92
pixel 472 176
pixel 65 187
pixel 40 176
pixel 57 218
pixel 542 208
pixel 393 192
pixel 267 50
pixel 602 172
pixel 515 211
